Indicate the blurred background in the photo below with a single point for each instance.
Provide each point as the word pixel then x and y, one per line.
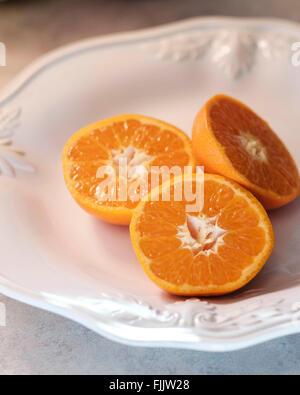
pixel 30 28
pixel 38 342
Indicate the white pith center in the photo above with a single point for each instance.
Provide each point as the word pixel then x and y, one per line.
pixel 253 146
pixel 201 234
pixel 135 160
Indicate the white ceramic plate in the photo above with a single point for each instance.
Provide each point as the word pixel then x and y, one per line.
pixel 56 257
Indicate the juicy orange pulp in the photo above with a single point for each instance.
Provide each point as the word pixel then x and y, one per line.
pixel 139 140
pixel 213 251
pixel 231 140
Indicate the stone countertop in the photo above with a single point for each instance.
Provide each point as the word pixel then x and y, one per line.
pixel 38 342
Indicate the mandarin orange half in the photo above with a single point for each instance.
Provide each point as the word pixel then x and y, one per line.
pixel 231 140
pixel 211 251
pixel 141 141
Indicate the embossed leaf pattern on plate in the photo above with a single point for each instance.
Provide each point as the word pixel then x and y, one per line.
pixel 12 158
pixel 233 51
pixel 194 314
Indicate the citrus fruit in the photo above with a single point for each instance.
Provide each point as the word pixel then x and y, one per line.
pixel 96 157
pixel 213 250
pixel 231 140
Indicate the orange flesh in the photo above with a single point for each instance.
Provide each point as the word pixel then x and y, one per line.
pixel 231 140
pixel 212 252
pixel 141 141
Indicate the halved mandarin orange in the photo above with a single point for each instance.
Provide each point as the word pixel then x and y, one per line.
pixel 231 140
pixel 95 157
pixel 213 250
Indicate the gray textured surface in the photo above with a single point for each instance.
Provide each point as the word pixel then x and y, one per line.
pixel 37 342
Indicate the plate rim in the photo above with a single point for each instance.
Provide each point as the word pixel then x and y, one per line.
pixel 16 85
pixel 26 77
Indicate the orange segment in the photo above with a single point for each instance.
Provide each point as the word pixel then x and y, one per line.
pixel 171 212
pixel 249 240
pixel 166 141
pixel 200 271
pixel 174 158
pixel 238 214
pixel 158 246
pixel 95 158
pixel 80 176
pixel 127 131
pixel 231 140
pixel 216 198
pixel 206 252
pixel 107 137
pixel 152 226
pixel 167 268
pixel 88 149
